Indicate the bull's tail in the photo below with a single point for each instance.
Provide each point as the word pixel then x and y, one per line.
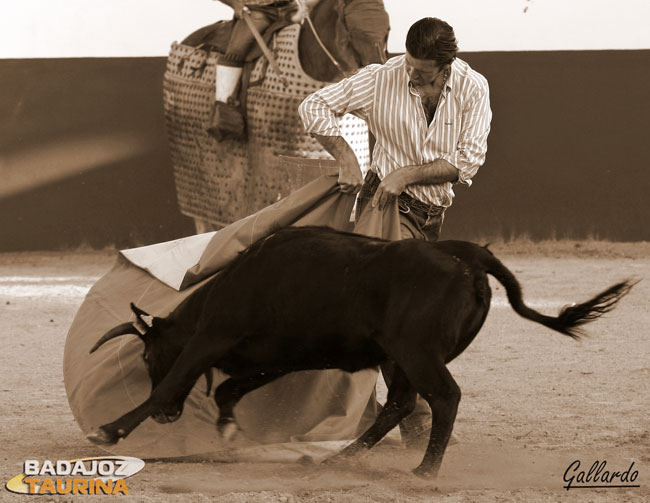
pixel 571 318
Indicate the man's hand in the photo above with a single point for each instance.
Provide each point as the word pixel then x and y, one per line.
pixel 436 172
pixel 390 187
pixel 299 16
pixel 304 8
pixel 350 176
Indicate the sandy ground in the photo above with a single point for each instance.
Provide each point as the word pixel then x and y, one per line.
pixel 533 401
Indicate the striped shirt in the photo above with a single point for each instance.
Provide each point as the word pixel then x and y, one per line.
pixel 383 96
pixel 251 3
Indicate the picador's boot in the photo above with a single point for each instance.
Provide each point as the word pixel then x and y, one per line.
pixel 227 122
pixel 227 119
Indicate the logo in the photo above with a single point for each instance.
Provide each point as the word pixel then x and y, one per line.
pixel 599 477
pixel 103 475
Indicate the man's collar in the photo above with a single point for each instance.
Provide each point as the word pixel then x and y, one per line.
pixel 449 85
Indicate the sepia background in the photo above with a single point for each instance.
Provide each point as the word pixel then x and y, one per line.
pixel 83 145
pixel 563 197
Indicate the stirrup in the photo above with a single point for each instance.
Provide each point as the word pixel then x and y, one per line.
pixel 227 122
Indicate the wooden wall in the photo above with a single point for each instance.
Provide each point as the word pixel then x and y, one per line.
pixel 84 160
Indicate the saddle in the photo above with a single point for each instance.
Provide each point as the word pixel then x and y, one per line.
pixel 215 37
pixel 359 34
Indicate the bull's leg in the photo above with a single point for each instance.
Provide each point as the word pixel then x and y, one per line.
pixel 174 388
pixel 435 384
pixel 228 394
pixel 109 434
pixel 399 404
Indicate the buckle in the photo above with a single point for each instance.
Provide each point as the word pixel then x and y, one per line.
pixel 403 207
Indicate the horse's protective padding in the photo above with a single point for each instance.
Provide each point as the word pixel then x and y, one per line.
pixel 222 182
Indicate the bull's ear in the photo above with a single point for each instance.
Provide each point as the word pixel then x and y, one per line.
pixel 143 320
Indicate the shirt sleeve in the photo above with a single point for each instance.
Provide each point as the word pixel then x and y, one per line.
pixel 472 143
pixel 320 112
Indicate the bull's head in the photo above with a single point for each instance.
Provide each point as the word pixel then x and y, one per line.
pixel 162 345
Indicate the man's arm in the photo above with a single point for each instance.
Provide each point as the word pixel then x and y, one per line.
pixel 304 8
pixel 472 141
pixel 320 113
pixel 436 172
pixel 459 166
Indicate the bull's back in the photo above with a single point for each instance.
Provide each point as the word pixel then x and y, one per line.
pixel 306 296
pixel 309 275
pixel 315 276
pixel 302 274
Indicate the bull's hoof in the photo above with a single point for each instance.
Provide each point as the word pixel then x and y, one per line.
pixel 352 450
pixel 425 472
pixel 339 461
pixel 331 461
pixel 102 437
pixel 342 456
pixel 228 430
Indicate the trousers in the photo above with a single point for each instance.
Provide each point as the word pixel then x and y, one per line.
pixel 241 38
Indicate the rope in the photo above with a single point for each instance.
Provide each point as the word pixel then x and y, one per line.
pixel 322 45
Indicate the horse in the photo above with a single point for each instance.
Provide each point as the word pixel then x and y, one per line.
pixel 218 183
pixel 352 40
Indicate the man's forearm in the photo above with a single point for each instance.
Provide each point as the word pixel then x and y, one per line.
pixel 337 146
pixel 438 171
pixel 394 183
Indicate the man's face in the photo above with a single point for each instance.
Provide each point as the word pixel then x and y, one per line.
pixel 422 71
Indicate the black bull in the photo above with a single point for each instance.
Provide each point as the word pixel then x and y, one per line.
pixel 313 298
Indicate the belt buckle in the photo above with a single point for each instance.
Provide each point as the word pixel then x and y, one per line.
pixel 401 204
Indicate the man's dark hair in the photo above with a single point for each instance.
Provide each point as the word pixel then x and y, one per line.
pixel 432 38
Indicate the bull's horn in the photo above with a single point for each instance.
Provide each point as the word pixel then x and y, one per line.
pixel 123 329
pixel 208 378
